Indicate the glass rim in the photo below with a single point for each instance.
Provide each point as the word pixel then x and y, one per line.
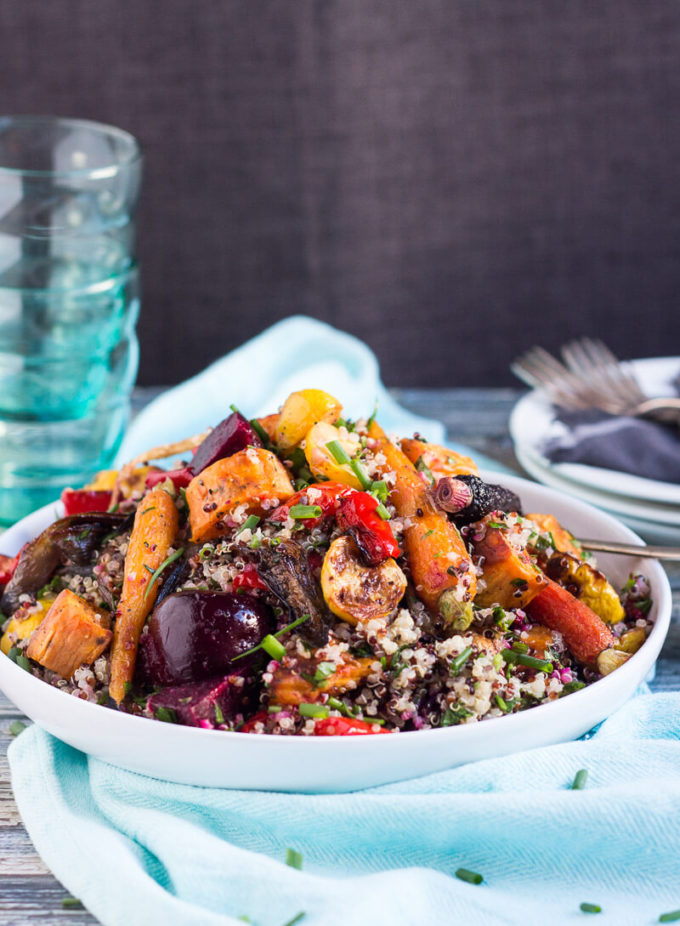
pixel 96 173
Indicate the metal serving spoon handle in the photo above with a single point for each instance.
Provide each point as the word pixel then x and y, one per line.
pixel 609 546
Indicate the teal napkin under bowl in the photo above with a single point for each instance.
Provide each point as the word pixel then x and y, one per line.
pixel 140 852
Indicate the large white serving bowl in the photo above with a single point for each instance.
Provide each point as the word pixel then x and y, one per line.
pixel 322 764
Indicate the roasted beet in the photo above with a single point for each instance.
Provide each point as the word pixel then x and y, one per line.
pixel 230 436
pixel 193 636
pixel 205 704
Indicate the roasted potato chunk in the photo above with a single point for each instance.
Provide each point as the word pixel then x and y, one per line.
pixel 300 412
pixel 322 462
pixel 356 592
pixel 69 636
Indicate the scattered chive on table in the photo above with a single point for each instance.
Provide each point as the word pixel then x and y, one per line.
pixel 478 417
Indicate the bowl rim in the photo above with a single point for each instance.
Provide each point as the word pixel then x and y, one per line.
pixel 655 640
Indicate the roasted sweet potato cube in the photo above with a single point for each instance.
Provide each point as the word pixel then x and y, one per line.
pixel 510 578
pixel 69 636
pixel 294 686
pixel 548 523
pixel 253 477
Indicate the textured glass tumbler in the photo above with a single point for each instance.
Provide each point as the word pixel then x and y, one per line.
pixel 69 301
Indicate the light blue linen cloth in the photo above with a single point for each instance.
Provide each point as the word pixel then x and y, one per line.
pixel 140 851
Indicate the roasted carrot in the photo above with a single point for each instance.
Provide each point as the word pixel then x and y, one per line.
pixel 440 564
pixel 510 578
pixel 584 633
pixel 439 460
pixel 253 477
pixel 289 686
pixel 153 533
pixel 69 636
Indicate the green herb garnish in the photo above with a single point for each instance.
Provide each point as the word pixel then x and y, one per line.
pixel 170 559
pixel 272 647
pixel 301 512
pixel 296 919
pixel 579 782
pixel 460 660
pixel 541 665
pixel 323 671
pixel 71 903
pixel 150 508
pixel 259 430
pixel 371 418
pixel 590 908
pixel 313 710
pixel 422 467
pixel 249 524
pixel 672 917
pixel 361 474
pixel 472 877
pixel 16 727
pixel 337 451
pixel 380 489
pixel 452 716
pixel 300 620
pixel 294 859
pixel 166 714
pixel 219 716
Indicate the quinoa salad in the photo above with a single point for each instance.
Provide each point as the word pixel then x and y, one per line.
pixel 306 574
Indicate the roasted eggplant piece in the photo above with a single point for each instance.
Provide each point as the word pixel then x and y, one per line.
pixel 285 570
pixel 467 498
pixel 68 540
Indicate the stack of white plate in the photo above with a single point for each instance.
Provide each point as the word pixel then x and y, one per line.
pixel 650 507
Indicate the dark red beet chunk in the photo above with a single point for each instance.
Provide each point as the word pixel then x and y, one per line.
pixel 230 436
pixel 194 636
pixel 207 704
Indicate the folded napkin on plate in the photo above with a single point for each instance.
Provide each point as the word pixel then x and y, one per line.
pixel 627 445
pixel 139 852
pixel 298 353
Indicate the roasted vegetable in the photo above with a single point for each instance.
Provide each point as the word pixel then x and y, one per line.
pixel 548 524
pixel 303 683
pixel 205 704
pixel 468 498
pixel 8 564
pixel 327 461
pixel 436 461
pixel 584 633
pixel 268 424
pixel 300 412
pixel 509 576
pixel 81 501
pixel 153 534
pixel 180 478
pixel 69 636
pixel 251 478
pixel 588 584
pixel 226 439
pixel 631 640
pixel 194 636
pixel 72 539
pixel 346 726
pixel 323 495
pixel 373 536
pixel 442 572
pixel 611 659
pixel 356 592
pixel 285 570
pixel 24 622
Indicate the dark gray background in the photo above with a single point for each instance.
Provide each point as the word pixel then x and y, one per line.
pixel 452 181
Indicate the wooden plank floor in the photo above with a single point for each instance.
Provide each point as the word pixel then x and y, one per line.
pixel 29 894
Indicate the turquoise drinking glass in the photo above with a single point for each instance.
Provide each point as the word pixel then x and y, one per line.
pixel 69 302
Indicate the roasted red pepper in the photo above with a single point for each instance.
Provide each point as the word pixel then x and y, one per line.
pixel 249 578
pixel 345 726
pixel 7 566
pixel 180 477
pixel 324 494
pixel 81 501
pixel 248 726
pixel 357 516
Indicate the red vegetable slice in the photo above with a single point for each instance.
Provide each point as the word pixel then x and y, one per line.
pixel 180 477
pixel 326 495
pixel 345 726
pixel 82 501
pixel 249 578
pixel 7 566
pixel 357 516
pixel 249 725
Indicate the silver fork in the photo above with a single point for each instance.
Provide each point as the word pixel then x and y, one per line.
pixel 592 378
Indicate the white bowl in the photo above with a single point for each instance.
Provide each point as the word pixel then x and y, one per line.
pixel 323 764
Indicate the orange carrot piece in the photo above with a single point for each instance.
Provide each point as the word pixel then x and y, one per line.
pixel 69 636
pixel 561 536
pixel 439 460
pixel 510 577
pixel 436 553
pixel 584 633
pixel 153 533
pixel 288 687
pixel 251 477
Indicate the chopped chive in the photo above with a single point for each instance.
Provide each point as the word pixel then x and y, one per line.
pixel 71 903
pixel 166 714
pixel 274 708
pixel 541 665
pixel 171 559
pixel 313 710
pixel 219 716
pixel 371 419
pixel 423 468
pixel 460 660
pixel 361 474
pixel 338 452
pixel 150 508
pixel 519 647
pixel 148 568
pixel 382 512
pixel 380 489
pixel 590 908
pixel 294 859
pixel 300 512
pixel 672 917
pixel 260 431
pixel 296 919
pixel 505 706
pixel 579 781
pixel 498 525
pixel 323 671
pixel 234 409
pixel 570 687
pixel 472 877
pixel 337 705
pixel 253 649
pixel 16 727
pixel 249 524
pixel 272 646
pixel 428 533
